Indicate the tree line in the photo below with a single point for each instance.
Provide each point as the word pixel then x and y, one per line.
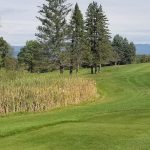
pixel 143 58
pixel 65 42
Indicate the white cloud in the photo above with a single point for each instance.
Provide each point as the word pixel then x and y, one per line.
pixel 129 18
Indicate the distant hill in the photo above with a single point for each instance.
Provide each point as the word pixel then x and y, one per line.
pixel 143 49
pixel 16 50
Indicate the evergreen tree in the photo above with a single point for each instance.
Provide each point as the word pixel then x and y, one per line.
pixel 76 35
pixel 104 45
pixel 53 31
pixel 117 47
pixel 125 50
pixel 91 35
pixel 4 51
pixel 132 52
pixel 98 36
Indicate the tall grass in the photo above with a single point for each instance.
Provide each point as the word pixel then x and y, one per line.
pixel 24 92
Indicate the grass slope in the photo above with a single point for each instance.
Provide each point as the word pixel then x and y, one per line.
pixel 118 120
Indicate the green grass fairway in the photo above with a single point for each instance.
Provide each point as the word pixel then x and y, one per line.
pixel 118 120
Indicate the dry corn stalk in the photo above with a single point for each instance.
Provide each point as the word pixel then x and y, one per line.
pixel 30 93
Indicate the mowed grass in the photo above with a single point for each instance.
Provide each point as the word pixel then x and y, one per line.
pixel 118 120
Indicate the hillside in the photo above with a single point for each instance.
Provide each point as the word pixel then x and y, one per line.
pixel 143 49
pixel 118 119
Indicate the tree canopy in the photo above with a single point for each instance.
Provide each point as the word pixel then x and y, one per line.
pixel 97 35
pixel 76 33
pixel 30 56
pixel 70 41
pixel 53 31
pixel 5 52
pixel 125 50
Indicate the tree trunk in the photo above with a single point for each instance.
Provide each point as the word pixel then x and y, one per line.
pixel 71 69
pixel 3 60
pixel 77 69
pixel 92 69
pixel 30 69
pixel 99 68
pixel 61 69
pixel 95 68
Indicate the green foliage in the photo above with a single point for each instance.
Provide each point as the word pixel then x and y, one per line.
pixel 97 34
pixel 11 63
pixel 125 50
pixel 132 53
pixel 53 31
pixel 61 45
pixel 76 36
pixel 31 57
pixel 143 58
pixel 4 51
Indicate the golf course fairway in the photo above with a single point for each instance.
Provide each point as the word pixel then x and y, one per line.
pixel 118 119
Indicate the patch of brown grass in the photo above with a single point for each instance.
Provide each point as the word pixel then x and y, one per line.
pixel 31 93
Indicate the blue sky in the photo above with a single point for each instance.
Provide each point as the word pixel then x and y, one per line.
pixel 129 18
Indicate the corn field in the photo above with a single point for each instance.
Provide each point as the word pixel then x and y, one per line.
pixel 24 92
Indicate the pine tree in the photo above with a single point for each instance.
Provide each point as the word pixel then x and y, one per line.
pixel 98 35
pixel 125 50
pixel 76 35
pixel 104 45
pixel 53 31
pixel 90 27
